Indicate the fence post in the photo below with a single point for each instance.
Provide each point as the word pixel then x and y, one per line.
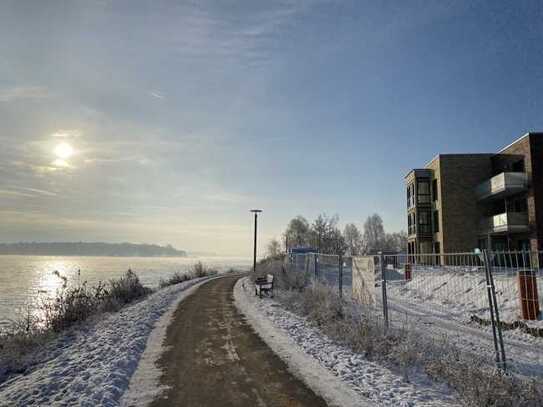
pixel 316 266
pixel 494 313
pixel 528 295
pixel 340 282
pixel 407 272
pixel 384 288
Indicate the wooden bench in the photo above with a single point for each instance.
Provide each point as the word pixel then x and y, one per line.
pixel 264 284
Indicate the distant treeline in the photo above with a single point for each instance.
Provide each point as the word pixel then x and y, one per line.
pixel 90 249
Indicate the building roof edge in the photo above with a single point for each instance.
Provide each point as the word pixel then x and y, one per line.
pixel 514 142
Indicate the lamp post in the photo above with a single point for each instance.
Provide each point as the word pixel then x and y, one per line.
pixel 256 212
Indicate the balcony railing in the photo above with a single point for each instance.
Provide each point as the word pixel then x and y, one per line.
pixel 510 222
pixel 502 185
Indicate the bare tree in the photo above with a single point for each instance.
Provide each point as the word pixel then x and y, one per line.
pixel 297 233
pixel 353 239
pixel 274 248
pixel 323 233
pixel 337 244
pixel 396 242
pixel 374 234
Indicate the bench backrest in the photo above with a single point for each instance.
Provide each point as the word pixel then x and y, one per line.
pixel 269 278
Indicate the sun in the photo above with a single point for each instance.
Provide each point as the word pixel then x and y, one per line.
pixel 64 151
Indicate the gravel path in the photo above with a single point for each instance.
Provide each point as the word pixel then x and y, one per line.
pixel 214 358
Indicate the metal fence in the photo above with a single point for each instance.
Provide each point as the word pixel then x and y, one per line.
pixel 488 303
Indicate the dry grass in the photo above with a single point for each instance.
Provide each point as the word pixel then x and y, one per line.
pixel 21 343
pixel 404 348
pixel 285 277
pixel 197 270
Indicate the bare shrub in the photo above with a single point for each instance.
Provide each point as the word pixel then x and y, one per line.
pixel 200 270
pixel 70 304
pixel 127 288
pixel 197 270
pixel 19 343
pixel 284 278
pixel 361 329
pixel 175 278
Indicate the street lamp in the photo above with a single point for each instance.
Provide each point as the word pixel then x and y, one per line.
pixel 256 212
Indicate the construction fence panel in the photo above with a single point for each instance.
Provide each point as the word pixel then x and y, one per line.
pixel 492 310
pixel 489 310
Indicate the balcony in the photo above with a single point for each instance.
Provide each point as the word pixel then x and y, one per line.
pixel 510 222
pixel 502 185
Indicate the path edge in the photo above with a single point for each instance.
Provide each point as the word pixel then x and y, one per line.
pixel 325 384
pixel 144 386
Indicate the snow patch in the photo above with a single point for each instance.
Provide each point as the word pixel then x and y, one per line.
pixel 340 376
pixel 145 385
pixel 92 364
pixel 303 366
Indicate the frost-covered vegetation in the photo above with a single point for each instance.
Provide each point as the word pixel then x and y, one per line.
pixel 73 303
pixel 198 270
pixel 70 305
pixel 361 329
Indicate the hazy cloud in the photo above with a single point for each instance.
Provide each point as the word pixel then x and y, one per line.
pixel 157 95
pixel 23 93
pixel 66 134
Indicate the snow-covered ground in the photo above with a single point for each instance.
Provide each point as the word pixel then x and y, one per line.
pixel 462 292
pixel 372 383
pixel 440 301
pixel 524 353
pixel 92 364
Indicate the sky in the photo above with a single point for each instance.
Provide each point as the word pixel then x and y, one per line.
pixel 183 115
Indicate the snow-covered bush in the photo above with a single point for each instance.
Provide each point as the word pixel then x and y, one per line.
pixel 198 270
pixel 361 329
pixel 285 278
pixel 127 288
pixel 71 304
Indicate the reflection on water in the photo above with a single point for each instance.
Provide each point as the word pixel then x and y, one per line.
pixel 23 278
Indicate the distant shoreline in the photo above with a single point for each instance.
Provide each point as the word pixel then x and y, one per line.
pixel 187 256
pixel 89 249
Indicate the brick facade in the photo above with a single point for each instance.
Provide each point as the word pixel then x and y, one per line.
pixel 457 210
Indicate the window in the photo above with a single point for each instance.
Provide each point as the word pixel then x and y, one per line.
pixel 521 205
pixel 425 225
pixel 424 188
pixel 411 225
pixel 437 250
pixel 518 166
pixel 411 195
pixel 436 221
pixel 434 190
pixel 423 191
pixel 423 218
pixel 524 245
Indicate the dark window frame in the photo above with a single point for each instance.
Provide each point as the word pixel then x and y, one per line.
pixel 424 198
pixel 435 191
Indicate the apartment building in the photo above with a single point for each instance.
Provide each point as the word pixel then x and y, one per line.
pixel 460 202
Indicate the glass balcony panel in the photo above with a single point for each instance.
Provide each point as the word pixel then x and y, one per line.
pixel 501 185
pixel 509 222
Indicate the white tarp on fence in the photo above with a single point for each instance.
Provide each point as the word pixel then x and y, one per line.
pixel 364 280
